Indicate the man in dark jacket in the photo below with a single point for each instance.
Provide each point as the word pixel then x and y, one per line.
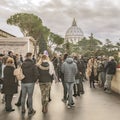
pixel 78 86
pixel 31 74
pixel 10 54
pixel 110 69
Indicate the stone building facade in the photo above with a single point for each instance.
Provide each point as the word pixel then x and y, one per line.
pixel 18 45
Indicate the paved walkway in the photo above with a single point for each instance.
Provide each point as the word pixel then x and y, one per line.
pixel 93 105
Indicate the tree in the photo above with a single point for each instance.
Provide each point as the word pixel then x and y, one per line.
pixel 89 46
pixel 83 45
pixel 55 39
pixel 42 45
pixel 30 25
pixel 94 44
pixel 118 45
pixel 109 45
pixel 67 47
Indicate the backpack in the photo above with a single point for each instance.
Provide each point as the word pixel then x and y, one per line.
pixel 19 73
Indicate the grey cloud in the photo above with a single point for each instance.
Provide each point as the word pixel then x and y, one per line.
pixel 98 16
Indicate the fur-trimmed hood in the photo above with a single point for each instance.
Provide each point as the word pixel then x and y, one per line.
pixel 44 66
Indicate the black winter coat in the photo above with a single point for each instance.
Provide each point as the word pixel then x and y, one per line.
pixel 30 71
pixel 10 84
pixel 44 75
pixel 80 69
pixel 110 67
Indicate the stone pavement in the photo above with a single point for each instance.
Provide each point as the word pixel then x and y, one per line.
pixel 93 105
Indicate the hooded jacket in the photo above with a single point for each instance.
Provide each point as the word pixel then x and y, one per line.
pixel 69 69
pixel 30 71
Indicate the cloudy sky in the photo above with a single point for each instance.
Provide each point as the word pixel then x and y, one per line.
pixel 100 17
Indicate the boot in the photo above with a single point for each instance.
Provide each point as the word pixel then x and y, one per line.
pixel 44 109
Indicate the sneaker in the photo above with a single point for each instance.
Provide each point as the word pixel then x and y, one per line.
pixel 31 112
pixel 74 95
pixel 10 110
pixel 82 92
pixel 18 104
pixel 44 109
pixel 108 91
pixel 64 100
pixel 68 106
pixel 49 100
pixel 23 111
pixel 105 89
pixel 73 104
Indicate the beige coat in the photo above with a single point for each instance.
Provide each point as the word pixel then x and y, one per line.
pixel 91 63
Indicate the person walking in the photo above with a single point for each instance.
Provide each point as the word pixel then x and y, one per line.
pixel 46 73
pixel 65 95
pixel 78 86
pixel 110 69
pixel 69 69
pixel 9 84
pixel 27 84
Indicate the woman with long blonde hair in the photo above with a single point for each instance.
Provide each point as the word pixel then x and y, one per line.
pixel 46 72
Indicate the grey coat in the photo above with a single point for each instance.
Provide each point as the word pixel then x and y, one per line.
pixel 69 69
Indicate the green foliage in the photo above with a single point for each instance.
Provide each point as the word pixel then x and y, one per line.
pixel 68 48
pixel 118 45
pixel 42 45
pixel 55 39
pixel 30 25
pixel 59 49
pixel 90 46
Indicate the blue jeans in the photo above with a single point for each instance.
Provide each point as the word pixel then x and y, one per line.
pixel 109 78
pixel 69 91
pixel 27 89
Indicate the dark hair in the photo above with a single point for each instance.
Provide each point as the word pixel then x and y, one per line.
pixel 65 56
pixel 1 55
pixel 29 54
pixel 10 52
pixel 75 57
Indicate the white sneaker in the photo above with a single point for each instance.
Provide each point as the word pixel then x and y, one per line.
pixel 68 106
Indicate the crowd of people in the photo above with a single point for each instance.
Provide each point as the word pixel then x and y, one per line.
pixel 71 71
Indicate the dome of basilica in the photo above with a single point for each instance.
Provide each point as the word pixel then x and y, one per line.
pixel 74 33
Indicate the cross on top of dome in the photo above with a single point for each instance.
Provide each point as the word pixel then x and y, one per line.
pixel 74 22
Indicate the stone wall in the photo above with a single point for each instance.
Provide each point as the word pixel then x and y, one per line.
pixel 18 45
pixel 116 82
